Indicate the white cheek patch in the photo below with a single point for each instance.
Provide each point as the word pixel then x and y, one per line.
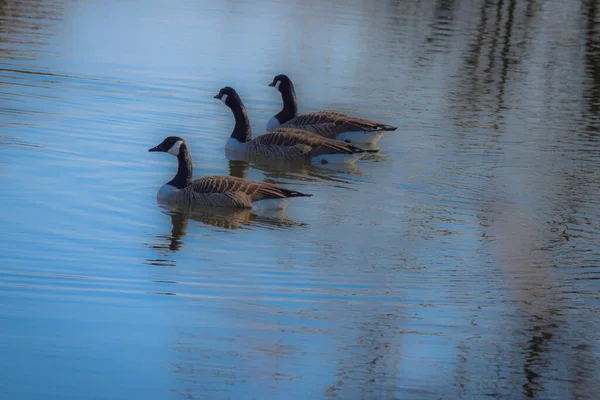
pixel 224 99
pixel 175 148
pixel 277 84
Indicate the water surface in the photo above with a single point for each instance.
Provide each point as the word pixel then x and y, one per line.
pixel 459 262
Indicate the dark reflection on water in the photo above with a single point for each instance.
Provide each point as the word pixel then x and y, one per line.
pixel 459 262
pixel 219 218
pixel 592 61
pixel 279 172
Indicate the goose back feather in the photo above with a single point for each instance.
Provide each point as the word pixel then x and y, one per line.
pixel 312 145
pixel 330 124
pixel 229 191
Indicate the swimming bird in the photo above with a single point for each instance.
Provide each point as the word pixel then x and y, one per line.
pixel 217 191
pixel 329 124
pixel 283 144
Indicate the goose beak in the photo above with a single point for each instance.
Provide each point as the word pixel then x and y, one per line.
pixel 156 148
pixel 218 97
pixel 272 84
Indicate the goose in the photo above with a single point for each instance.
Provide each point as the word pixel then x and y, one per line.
pixel 283 144
pixel 329 124
pixel 216 191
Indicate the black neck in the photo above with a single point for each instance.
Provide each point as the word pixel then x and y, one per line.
pixel 242 130
pixel 290 104
pixel 184 169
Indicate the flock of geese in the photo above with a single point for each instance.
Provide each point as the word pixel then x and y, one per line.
pixel 320 137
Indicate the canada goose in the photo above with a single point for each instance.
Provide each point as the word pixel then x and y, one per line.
pixel 283 144
pixel 217 191
pixel 329 124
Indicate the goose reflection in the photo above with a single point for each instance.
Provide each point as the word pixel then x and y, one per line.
pixel 274 171
pixel 223 219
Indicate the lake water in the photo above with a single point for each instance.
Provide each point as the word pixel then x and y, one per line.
pixel 462 261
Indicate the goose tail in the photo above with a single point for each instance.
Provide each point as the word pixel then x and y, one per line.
pixel 295 193
pixel 389 128
pixel 356 149
pixel 370 150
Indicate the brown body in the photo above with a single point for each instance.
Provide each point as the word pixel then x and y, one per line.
pixel 229 191
pixel 330 124
pixel 295 144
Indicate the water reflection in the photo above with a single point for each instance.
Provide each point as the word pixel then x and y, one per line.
pixel 179 225
pixel 486 65
pixel 282 172
pixel 27 22
pixel 592 60
pixel 238 167
pixel 526 239
pixel 222 219
pixel 461 260
pixel 377 351
pixel 13 141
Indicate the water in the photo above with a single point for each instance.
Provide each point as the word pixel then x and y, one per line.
pixel 460 262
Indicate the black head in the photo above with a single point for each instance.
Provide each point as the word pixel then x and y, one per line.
pixel 170 145
pixel 281 82
pixel 226 95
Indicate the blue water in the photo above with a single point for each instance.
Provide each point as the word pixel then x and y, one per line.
pixel 459 262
